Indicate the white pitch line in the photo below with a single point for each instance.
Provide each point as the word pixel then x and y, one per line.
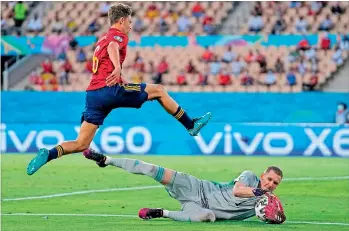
pixel 68 214
pixel 152 187
pixel 317 223
pixel 82 192
pixel 134 216
pixel 317 178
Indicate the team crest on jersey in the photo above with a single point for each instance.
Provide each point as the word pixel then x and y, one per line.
pixel 118 38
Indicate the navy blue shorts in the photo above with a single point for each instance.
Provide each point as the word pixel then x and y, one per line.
pixel 100 102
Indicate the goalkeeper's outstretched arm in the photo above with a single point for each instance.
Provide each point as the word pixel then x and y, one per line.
pixel 241 190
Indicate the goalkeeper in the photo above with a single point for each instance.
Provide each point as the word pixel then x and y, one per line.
pixel 204 200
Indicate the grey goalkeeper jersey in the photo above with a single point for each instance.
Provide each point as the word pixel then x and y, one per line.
pixel 219 198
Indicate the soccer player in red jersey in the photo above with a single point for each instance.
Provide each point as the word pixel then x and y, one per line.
pixel 109 90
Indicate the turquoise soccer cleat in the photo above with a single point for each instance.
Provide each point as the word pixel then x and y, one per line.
pixel 199 123
pixel 39 160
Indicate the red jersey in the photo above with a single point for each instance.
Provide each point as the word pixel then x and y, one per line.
pixel 102 65
pixel 325 43
pixel 47 67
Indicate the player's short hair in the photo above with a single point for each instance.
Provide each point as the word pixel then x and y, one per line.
pixel 118 11
pixel 277 170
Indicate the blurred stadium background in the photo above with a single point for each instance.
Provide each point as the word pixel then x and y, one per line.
pixel 275 76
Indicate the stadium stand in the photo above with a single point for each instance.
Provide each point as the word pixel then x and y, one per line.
pixel 298 17
pixel 13 14
pixel 179 17
pixel 251 68
pixel 320 64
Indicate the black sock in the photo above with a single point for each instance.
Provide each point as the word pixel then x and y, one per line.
pixel 55 152
pixel 183 117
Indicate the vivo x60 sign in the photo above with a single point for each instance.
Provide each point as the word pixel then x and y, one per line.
pixel 327 141
pixel 113 139
pixel 337 138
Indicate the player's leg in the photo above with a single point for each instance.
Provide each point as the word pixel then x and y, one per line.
pixel 86 134
pixel 190 212
pixel 134 95
pixel 96 110
pixel 198 215
pixel 181 186
pixel 158 92
pixel 160 174
pixel 82 142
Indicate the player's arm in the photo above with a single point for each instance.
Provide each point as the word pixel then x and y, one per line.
pixel 114 54
pixel 241 190
pixel 245 185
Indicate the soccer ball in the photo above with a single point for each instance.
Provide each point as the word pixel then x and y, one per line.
pixel 259 208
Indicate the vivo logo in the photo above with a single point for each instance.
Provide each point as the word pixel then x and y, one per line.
pixel 340 142
pixel 113 139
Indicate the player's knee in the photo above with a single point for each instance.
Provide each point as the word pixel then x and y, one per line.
pixel 208 215
pixel 160 89
pixel 168 177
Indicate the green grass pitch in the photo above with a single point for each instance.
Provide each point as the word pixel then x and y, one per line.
pixel 324 203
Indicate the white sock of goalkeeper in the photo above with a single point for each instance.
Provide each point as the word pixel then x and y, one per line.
pixel 137 167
